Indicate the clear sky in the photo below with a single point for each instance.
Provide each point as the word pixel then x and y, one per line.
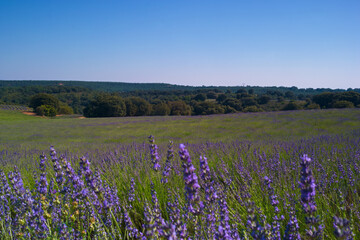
pixel 303 43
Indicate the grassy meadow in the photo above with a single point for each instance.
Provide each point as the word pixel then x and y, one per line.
pixel 247 189
pixel 18 128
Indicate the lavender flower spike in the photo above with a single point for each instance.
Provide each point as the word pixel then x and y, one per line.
pixel 342 229
pixel 191 182
pixel 154 153
pixel 167 168
pixel 307 185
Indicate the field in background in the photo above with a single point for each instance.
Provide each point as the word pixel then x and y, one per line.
pixel 20 129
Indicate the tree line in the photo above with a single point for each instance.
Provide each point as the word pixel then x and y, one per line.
pixel 55 99
pixel 204 102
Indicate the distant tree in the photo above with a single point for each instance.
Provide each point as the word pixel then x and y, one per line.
pixel 44 99
pixel 242 95
pixel 221 98
pixel 280 99
pixel 211 95
pixel 290 95
pixel 106 105
pixel 233 103
pixel 301 96
pixel 325 100
pixel 350 96
pixel 161 109
pixel 343 104
pixel 264 99
pixel 137 106
pixel 180 108
pixel 200 97
pixel 291 106
pixel 274 93
pixel 206 108
pixel 241 90
pixel 248 101
pixel 131 107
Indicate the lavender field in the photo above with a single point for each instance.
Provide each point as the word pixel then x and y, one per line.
pixel 291 175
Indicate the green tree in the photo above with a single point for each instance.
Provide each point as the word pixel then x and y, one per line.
pixel 248 101
pixel 290 95
pixel 325 100
pixel 106 105
pixel 350 96
pixel 161 109
pixel 44 99
pixel 233 103
pixel 221 98
pixel 200 97
pixel 264 99
pixel 343 104
pixel 180 108
pixel 291 106
pixel 136 106
pixel 211 95
pixel 205 108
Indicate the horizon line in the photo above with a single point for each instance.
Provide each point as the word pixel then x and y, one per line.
pixel 198 86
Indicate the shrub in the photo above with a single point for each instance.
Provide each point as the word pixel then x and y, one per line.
pixel 46 110
pixel 313 106
pixel 291 106
pixel 252 109
pixel 65 109
pixel 343 104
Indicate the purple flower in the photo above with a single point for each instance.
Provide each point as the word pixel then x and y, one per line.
pixel 57 168
pixel 342 228
pixel 292 228
pixel 154 153
pixel 192 186
pixel 131 196
pixel 274 202
pixel 224 231
pixel 210 196
pixel 307 185
pixel 133 232
pixel 42 185
pixel 167 168
pixel 175 218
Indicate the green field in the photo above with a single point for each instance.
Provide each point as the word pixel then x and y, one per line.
pixel 17 128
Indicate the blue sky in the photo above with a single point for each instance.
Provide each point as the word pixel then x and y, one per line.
pixel 220 43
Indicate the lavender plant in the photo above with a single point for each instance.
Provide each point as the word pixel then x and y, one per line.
pixel 307 185
pixel 195 205
pixel 154 153
pixel 91 197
